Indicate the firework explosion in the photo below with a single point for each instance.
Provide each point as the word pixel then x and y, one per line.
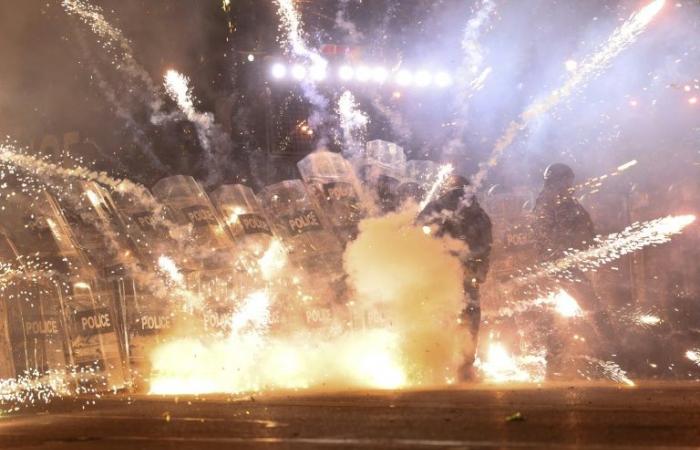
pixel 591 67
pixel 286 309
pixel 631 239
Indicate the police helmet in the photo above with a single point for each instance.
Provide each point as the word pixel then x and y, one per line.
pixel 558 173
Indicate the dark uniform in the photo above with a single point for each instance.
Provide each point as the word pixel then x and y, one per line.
pixel 462 218
pixel 562 225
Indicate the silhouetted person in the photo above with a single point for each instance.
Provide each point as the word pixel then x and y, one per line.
pixel 458 215
pixel 562 225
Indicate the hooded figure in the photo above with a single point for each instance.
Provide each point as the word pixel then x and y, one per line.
pixel 459 216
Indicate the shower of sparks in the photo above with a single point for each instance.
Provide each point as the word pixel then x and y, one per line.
pixel 592 185
pixel 585 71
pixel 353 122
pixel 209 134
pixel 44 170
pixel 635 237
pixel 113 40
pixel 440 178
pixel 177 86
pixel 291 23
pixel 612 371
pixel 472 66
pixel 499 366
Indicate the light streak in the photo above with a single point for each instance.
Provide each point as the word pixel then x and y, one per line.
pixel 442 174
pixel 589 68
pixel 693 355
pixel 633 238
pixel 353 122
pixel 627 165
pixel 178 88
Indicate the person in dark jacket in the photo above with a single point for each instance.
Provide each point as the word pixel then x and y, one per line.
pixel 562 225
pixel 457 214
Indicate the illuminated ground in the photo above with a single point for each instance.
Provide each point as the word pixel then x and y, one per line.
pixel 602 416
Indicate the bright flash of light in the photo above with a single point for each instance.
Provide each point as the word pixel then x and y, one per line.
pixel 345 73
pixel 168 266
pixel 278 71
pixel 586 70
pixel 273 260
pixel 647 320
pixel 441 176
pixel 564 304
pixel 500 366
pixel 627 165
pixel 571 65
pixel 177 86
pixel 693 355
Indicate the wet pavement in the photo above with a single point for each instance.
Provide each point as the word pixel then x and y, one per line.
pixel 651 415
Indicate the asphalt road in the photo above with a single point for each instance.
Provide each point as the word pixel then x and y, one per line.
pixel 562 416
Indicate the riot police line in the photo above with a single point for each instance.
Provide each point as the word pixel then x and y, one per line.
pixel 78 294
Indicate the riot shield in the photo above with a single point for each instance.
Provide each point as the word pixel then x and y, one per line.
pixel 336 189
pixel 32 330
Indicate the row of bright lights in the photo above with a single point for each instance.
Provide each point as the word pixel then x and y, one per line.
pixel 363 74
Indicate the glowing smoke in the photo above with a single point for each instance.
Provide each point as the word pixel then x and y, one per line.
pixel 415 281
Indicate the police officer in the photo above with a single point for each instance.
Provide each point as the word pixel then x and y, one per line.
pixel 457 214
pixel 561 224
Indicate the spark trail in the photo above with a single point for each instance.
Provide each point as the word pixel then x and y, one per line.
pixel 587 70
pixel 212 139
pixel 295 43
pixel 440 178
pixel 114 41
pixel 635 237
pixel 353 122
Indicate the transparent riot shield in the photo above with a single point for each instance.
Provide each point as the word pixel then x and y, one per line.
pixel 245 218
pixel 312 247
pixel 88 307
pixel 150 225
pixel 381 169
pixel 150 316
pixel 192 207
pixel 296 218
pixel 422 172
pixel 335 187
pixel 32 329
pixel 213 269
